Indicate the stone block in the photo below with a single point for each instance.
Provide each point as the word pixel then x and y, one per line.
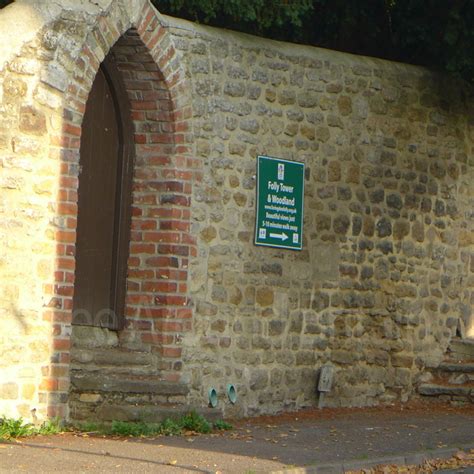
pixel 343 357
pixel 94 337
pixel 344 193
pixel 32 121
pixel 97 381
pixel 234 89
pixel 264 296
pixel 296 323
pixel 418 231
pixel 111 357
pixel 208 234
pixel 14 88
pixel 344 104
pixel 319 301
pixel 384 227
pixel 260 342
pixel 28 391
pixel 9 391
pixel 276 327
pixel 235 296
pixel 55 76
pixel 206 309
pixel 90 398
pixel 307 100
pixel 326 258
pixel 356 225
pixel 323 134
pixel 258 379
pixel 341 224
pixel 368 226
pixel 323 222
pixel 307 358
pixel 219 325
pixel 401 229
pixel 395 201
pixel 402 360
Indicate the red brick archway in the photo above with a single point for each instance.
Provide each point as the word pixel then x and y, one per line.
pixel 157 303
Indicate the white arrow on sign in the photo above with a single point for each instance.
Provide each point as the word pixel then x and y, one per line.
pixel 281 236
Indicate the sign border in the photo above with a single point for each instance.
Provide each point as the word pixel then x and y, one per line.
pixel 282 246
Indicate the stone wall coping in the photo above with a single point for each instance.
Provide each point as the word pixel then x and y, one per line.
pixel 290 49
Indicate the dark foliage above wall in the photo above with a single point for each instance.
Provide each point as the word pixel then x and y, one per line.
pixel 433 33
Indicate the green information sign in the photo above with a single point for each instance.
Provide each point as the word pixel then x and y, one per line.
pixel 280 191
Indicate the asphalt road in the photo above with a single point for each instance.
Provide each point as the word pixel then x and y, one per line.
pixel 308 440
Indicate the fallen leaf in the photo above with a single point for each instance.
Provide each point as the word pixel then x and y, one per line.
pixel 173 462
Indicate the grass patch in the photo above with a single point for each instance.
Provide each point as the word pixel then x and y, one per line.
pixel 123 428
pixel 87 427
pixel 11 428
pixel 195 422
pixel 191 422
pixel 222 425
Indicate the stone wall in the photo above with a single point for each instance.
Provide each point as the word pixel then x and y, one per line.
pixel 386 274
pixel 386 269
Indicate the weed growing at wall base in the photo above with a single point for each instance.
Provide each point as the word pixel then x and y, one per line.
pixel 11 428
pixel 192 422
pixel 222 425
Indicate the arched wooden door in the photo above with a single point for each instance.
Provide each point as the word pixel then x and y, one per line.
pixel 103 227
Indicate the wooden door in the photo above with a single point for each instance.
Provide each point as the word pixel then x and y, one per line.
pixel 103 210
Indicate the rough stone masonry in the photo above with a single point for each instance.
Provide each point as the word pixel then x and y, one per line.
pixel 386 274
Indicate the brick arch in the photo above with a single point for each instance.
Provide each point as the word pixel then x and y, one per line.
pixel 157 304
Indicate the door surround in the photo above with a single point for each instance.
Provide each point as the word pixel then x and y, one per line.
pixel 153 77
